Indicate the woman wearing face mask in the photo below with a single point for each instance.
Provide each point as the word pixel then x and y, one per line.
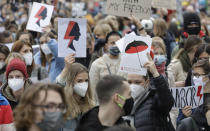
pixel 36 73
pixel 4 52
pixel 17 81
pixel 38 109
pixel 159 55
pixel 200 76
pixel 107 64
pixel 48 56
pixel 78 93
pixel 182 63
pixel 100 32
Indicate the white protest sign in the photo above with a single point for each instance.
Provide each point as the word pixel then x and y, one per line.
pixel 9 45
pixel 40 17
pixel 187 96
pixel 126 8
pixel 134 54
pixel 120 43
pixel 72 37
pixel 78 9
pixel 168 4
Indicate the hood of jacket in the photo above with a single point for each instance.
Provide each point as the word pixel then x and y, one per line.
pixel 7 91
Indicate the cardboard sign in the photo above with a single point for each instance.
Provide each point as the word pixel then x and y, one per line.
pixel 71 37
pixel 40 17
pixel 187 96
pixel 168 4
pixel 134 54
pixel 126 8
pixel 78 9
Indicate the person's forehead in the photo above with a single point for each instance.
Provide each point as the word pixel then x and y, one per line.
pixel 134 77
pixel 114 38
pixel 198 70
pixel 51 95
pixel 15 72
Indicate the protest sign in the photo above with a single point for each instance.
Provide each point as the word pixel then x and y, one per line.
pixel 134 54
pixel 78 9
pixel 120 43
pixel 71 37
pixel 40 17
pixel 187 96
pixel 168 4
pixel 126 8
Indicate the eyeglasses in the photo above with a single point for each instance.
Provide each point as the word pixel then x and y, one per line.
pixel 203 58
pixel 198 75
pixel 52 107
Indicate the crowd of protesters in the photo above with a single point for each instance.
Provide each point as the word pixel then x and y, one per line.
pixel 40 91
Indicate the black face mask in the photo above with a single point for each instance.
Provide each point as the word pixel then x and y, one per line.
pixel 114 50
pixel 193 30
pixel 128 106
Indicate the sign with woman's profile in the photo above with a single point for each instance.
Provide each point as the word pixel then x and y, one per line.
pixel 40 17
pixel 72 37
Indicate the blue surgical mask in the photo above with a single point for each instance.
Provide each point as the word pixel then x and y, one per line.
pixel 159 59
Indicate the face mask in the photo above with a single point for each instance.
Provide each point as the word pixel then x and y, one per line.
pixel 193 30
pixel 14 36
pixel 46 49
pixel 128 106
pixel 52 121
pixel 208 117
pixel 2 64
pixel 159 59
pixel 113 50
pixel 81 88
pixel 199 81
pixel 16 83
pixel 22 20
pixel 28 58
pixel 136 90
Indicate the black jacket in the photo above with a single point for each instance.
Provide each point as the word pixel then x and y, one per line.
pixel 197 122
pixel 90 121
pixel 152 114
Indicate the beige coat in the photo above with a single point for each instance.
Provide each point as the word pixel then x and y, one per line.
pixel 176 72
pixel 99 69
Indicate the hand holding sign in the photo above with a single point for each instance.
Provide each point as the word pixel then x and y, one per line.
pixel 69 60
pixel 150 65
pixel 187 111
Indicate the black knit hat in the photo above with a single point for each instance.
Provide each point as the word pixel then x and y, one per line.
pixel 191 18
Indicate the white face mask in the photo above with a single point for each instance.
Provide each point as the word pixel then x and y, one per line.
pixel 198 81
pixel 2 64
pixel 136 90
pixel 16 83
pixel 28 58
pixel 45 49
pixel 81 88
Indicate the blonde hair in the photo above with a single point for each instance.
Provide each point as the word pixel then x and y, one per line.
pixel 112 21
pixel 103 28
pixel 13 55
pixel 158 42
pixel 160 27
pixel 76 107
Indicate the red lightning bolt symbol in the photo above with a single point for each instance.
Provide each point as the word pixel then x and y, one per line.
pixel 39 12
pixel 67 34
pixel 199 93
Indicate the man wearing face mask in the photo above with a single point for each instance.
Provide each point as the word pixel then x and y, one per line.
pixel 115 101
pixel 200 119
pixel 153 101
pixel 109 63
pixel 17 81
